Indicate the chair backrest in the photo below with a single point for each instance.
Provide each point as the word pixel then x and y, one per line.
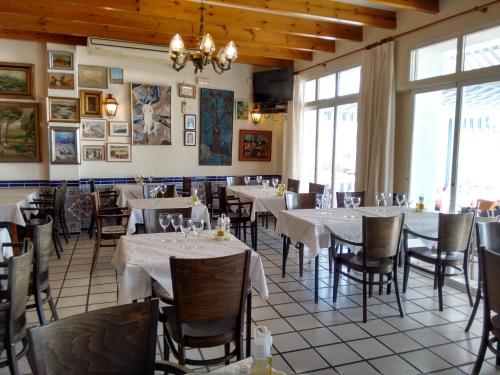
pixel 19 273
pixel 490 264
pixel 454 232
pixel 486 206
pixel 341 195
pixel 210 289
pixel 293 185
pixel 186 185
pixel 240 180
pixel 115 340
pixel 152 220
pixel 92 185
pixel 209 196
pixel 42 243
pixel 488 235
pixel 381 236
pixel 316 188
pixel 296 201
pixel 59 200
pixel 95 200
pixel 222 195
pixel 170 193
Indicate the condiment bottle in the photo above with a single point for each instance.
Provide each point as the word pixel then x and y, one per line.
pixel 262 360
pixel 227 227
pixel 220 228
pixel 420 204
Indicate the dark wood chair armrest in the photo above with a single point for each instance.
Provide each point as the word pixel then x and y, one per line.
pixel 407 231
pixel 113 216
pixel 334 237
pixel 12 244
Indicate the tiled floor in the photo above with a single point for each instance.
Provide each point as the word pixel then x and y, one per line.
pixel 313 338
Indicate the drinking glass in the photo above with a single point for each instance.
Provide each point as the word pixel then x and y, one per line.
pixel 355 201
pixel 186 226
pixel 153 193
pixel 258 179
pixel 150 178
pixel 247 180
pixel 198 226
pixel 379 197
pixel 176 220
pixel 409 201
pixel 265 184
pixel 164 221
pixel 401 199
pixel 275 182
pixel 163 190
pixel 347 202
pixel 137 179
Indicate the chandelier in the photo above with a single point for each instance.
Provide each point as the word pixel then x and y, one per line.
pixel 205 52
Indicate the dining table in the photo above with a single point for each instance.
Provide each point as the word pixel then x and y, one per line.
pixel 11 201
pixel 199 210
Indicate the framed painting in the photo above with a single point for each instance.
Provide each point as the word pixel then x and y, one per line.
pixel 216 127
pixel 19 132
pixel 116 76
pixel 64 145
pixel 118 129
pixel 93 129
pixel 92 76
pixel 90 103
pixel 61 81
pixel 118 152
pixel 151 114
pixel 189 138
pixel 60 60
pixel 241 109
pixel 190 122
pixel 94 153
pixel 187 91
pixel 63 109
pixel 255 145
pixel 17 81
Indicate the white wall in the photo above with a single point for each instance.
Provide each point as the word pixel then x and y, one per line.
pixel 161 161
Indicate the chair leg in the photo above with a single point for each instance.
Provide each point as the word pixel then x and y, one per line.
pixel 39 307
pixel 181 354
pixel 91 227
pixel 97 248
pixel 390 284
pixel 226 352
pixel 474 309
pixel 301 259
pixel 286 248
pixel 166 349
pixel 249 326
pixel 482 350
pixel 380 286
pixel 436 278
pixel 330 258
pixel 364 298
pixel 440 278
pixel 52 306
pixel 396 288
pixel 406 273
pixel 466 276
pixel 12 359
pixel 336 279
pixel 244 231
pixel 370 286
pixel 55 240
pixel 316 278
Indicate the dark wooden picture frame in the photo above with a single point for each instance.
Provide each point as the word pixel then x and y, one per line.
pixel 255 145
pixel 189 137
pixel 17 81
pixel 189 122
pixel 90 103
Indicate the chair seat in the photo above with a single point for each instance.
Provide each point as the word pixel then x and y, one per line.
pixel 115 229
pixel 355 261
pixel 428 255
pixel 495 326
pixel 202 334
pixel 161 292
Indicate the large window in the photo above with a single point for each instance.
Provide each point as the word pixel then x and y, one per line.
pixel 456 128
pixel 329 130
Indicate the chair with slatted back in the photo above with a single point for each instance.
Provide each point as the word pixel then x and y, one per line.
pixel 210 200
pixel 240 180
pixel 152 222
pixel 293 185
pixel 379 253
pixel 108 200
pixel 186 187
pixel 170 193
pixel 487 236
pixel 13 306
pixel 209 302
pixel 489 263
pixel 237 211
pixel 453 240
pixel 341 195
pixel 316 188
pixel 115 340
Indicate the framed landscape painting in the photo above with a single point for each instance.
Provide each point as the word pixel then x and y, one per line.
pixel 61 81
pixel 116 75
pixel 60 60
pixel 63 110
pixel 255 145
pixel 151 114
pixel 94 153
pixel 216 127
pixel 92 76
pixel 119 152
pixel 16 81
pixel 118 129
pixel 64 145
pixel 93 129
pixel 241 109
pixel 19 132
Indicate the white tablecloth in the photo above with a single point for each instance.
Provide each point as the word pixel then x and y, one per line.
pixel 313 227
pixel 128 191
pixel 5 238
pixel 199 211
pixel 264 199
pixel 139 257
pixel 11 200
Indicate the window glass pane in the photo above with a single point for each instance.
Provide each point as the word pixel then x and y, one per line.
pixel 478 176
pixel 326 87
pixel 308 149
pixel 434 60
pixel 345 147
pixel 432 147
pixel 325 146
pixel 349 81
pixel 482 49
pixel 310 91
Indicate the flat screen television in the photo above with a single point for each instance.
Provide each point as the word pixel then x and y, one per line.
pixel 273 86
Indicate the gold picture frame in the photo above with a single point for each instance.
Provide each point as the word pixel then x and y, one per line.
pixel 90 103
pixel 63 109
pixel 94 153
pixel 17 81
pixel 186 91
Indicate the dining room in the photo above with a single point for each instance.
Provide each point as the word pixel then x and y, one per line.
pixel 247 186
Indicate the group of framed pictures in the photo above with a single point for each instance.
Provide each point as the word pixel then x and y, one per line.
pixel 189 130
pixel 100 130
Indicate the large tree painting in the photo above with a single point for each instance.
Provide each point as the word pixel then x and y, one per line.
pixel 216 127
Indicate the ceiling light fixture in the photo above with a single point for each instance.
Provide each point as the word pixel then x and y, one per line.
pixel 205 52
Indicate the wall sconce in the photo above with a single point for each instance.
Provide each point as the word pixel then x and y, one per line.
pixel 111 105
pixel 256 115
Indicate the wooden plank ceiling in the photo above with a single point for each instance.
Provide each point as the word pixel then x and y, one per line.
pixel 267 32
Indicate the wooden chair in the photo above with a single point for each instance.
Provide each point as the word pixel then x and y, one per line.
pixel 13 306
pixel 152 221
pixel 316 188
pixel 240 180
pixel 209 200
pixel 239 217
pixel 293 185
pixel 111 232
pixel 62 210
pixel 489 262
pixel 378 255
pixel 454 233
pixel 341 195
pixel 208 309
pixel 170 193
pixel 108 200
pixel 487 236
pixel 186 187
pixel 116 340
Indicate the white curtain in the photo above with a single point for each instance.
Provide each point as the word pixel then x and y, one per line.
pixel 376 122
pixel 292 148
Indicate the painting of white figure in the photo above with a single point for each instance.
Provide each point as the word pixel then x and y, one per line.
pixel 151 114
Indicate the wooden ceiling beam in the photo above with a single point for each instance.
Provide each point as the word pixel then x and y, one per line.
pixel 428 6
pixel 264 61
pixel 42 37
pixel 332 10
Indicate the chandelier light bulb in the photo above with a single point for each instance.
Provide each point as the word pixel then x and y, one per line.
pixel 221 56
pixel 207 45
pixel 176 45
pixel 231 52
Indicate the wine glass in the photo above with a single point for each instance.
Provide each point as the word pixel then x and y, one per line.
pixel 163 190
pixel 186 226
pixel 275 182
pixel 379 197
pixel 401 199
pixel 265 184
pixel 152 193
pixel 176 220
pixel 164 219
pixel 198 226
pixel 137 179
pixel 247 180
pixel 355 201
pixel 150 178
pixel 347 202
pixel 409 201
pixel 258 179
